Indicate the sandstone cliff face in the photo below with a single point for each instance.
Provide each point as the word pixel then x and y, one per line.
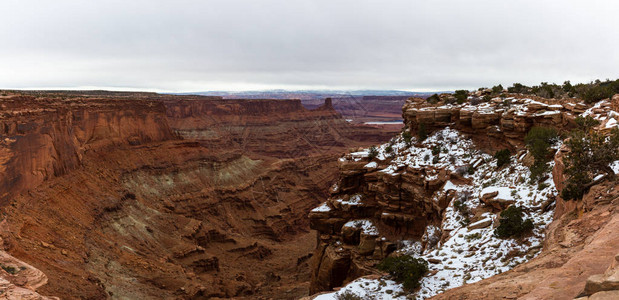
pixel 43 138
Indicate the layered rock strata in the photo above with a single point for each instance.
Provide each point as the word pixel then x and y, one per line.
pixel 504 120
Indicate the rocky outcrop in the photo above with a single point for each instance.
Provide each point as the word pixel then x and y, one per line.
pixel 364 202
pixel 603 286
pixel 19 280
pixel 504 121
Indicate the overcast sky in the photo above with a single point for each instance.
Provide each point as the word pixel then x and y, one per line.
pixel 418 45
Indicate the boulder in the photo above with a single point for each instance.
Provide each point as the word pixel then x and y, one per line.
pixel 367 244
pixel 499 204
pixel 614 102
pixel 333 266
pixel 490 195
pixel 480 224
pixel 608 281
pixel 606 295
pixel 601 282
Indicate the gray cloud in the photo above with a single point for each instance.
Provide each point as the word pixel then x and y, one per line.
pixel 219 45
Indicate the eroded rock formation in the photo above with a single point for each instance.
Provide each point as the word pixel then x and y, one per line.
pixel 500 122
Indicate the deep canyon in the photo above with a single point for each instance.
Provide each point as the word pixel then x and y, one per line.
pixel 139 196
pixel 149 196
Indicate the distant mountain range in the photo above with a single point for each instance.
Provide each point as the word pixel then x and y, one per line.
pixel 307 94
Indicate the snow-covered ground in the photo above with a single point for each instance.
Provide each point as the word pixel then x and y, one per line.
pixel 366 226
pixel 468 255
pixel 601 111
pixel 379 289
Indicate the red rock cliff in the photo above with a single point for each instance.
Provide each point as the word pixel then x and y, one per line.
pixel 43 138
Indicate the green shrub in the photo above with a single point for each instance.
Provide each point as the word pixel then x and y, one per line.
pixel 389 149
pixel 435 160
pixel 590 154
pixel 473 236
pixel 539 140
pixel 9 269
pixel 461 207
pixel 585 124
pixel 422 133
pixel 518 88
pixel 405 269
pixel 461 96
pixel 497 89
pixel 373 152
pixel 434 99
pixel 436 150
pixel 348 295
pixel 596 93
pixel 470 170
pixel 502 157
pixel 511 223
pixel 408 137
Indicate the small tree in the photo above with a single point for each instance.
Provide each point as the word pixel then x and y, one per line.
pixel 422 133
pixel 405 269
pixel 518 88
pixel 567 86
pixel 373 152
pixel 590 153
pixel 502 157
pixel 408 138
pixel 511 223
pixel 596 93
pixel 497 89
pixel 434 99
pixel 539 140
pixel 461 96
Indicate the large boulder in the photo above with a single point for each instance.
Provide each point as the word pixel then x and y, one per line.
pixel 331 269
pixel 608 281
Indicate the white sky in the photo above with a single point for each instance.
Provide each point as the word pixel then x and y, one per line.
pixel 420 45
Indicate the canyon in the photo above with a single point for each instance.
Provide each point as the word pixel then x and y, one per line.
pixel 145 196
pixel 359 106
